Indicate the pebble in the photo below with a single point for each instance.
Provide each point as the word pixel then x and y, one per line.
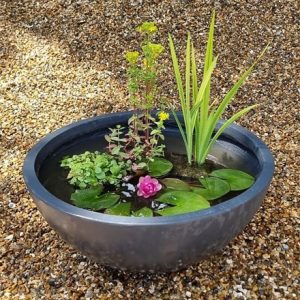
pixel 62 61
pixel 9 237
pixel 188 294
pixel 130 187
pixel 126 194
pixel 11 205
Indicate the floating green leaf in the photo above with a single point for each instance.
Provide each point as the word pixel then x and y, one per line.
pixel 120 209
pixel 143 212
pixel 183 202
pixel 175 184
pixel 159 167
pixel 214 188
pixel 238 180
pixel 108 200
pixel 87 198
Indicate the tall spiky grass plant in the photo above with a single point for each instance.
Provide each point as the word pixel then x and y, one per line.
pixel 199 114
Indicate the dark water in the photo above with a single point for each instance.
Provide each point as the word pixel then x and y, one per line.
pixel 53 177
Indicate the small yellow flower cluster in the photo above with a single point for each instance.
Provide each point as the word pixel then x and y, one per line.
pixel 132 56
pixel 156 49
pixel 163 116
pixel 147 27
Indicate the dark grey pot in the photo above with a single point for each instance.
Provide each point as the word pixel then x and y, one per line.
pixel 151 244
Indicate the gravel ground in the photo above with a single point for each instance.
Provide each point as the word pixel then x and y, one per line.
pixel 61 61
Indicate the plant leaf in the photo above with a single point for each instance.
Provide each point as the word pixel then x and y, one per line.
pixel 194 74
pixel 238 180
pixel 175 184
pixel 108 200
pixel 224 126
pixel 143 212
pixel 87 198
pixel 184 137
pixel 159 167
pixel 203 85
pixel 214 188
pixel 207 64
pixel 183 202
pixel 177 72
pixel 188 71
pixel 231 93
pixel 120 209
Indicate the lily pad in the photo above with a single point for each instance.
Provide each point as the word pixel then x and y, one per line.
pixel 159 167
pixel 183 201
pixel 214 188
pixel 120 209
pixel 87 198
pixel 143 212
pixel 108 200
pixel 175 184
pixel 238 180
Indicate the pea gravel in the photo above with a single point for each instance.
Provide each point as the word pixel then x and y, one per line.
pixel 61 61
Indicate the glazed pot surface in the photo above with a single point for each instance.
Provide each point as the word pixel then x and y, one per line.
pixel 147 244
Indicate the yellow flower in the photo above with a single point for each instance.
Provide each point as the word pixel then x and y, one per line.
pixel 163 116
pixel 145 62
pixel 132 56
pixel 156 49
pixel 153 50
pixel 147 27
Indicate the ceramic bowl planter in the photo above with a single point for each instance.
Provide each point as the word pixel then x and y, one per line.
pixel 157 243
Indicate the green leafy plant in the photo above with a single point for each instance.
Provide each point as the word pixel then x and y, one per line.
pixel 143 139
pixel 134 169
pixel 133 144
pixel 199 114
pixel 94 168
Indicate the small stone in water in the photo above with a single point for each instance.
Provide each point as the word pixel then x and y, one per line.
pixel 127 178
pixel 162 205
pixel 126 194
pixel 130 187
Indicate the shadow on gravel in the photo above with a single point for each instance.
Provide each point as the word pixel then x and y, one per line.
pixel 101 31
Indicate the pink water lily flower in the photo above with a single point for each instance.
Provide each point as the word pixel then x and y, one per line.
pixel 148 186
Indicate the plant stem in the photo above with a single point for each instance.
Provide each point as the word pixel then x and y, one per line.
pixel 147 125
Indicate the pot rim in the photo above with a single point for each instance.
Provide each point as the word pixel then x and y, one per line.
pixel 38 191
